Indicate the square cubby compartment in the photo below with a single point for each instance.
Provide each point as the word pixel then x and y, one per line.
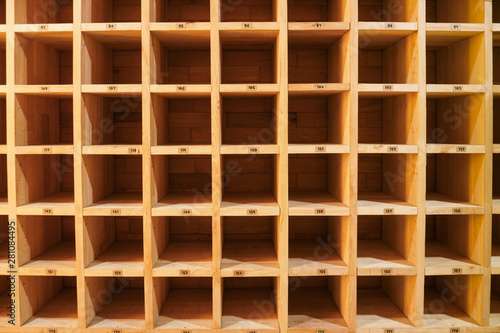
pixel 44 60
pixel 113 245
pixel 183 303
pixel 50 301
pixel 249 246
pixel 181 121
pixel 243 300
pixel 44 120
pixel 495 245
pixel 318 11
pixel 455 184
pixel 317 303
pixel 104 11
pixel 115 303
pixel 252 59
pixel 3 64
pixel 317 182
pixel 453 244
pixel 388 120
pixel 455 61
pixel 42 12
pixel 496 61
pixel 387 184
pixel 182 246
pixel 392 60
pixel 318 245
pixel 181 62
pixel 452 301
pixel 318 120
pixel 456 120
pixel 45 181
pixel 4 245
pixel 387 245
pixel 114 60
pixel 317 59
pixel 3 121
pixel 496 183
pixel 450 11
pixel 388 10
pixel 248 185
pixel 6 283
pixel 380 304
pixel 496 124
pixel 112 182
pixel 495 301
pixel 183 185
pixel 112 120
pixel 249 121
pixel 181 11
pixel 248 10
pixel 3 182
pixel 50 245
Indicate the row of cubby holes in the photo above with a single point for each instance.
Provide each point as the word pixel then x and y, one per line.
pixel 120 63
pixel 313 301
pixel 61 11
pixel 311 120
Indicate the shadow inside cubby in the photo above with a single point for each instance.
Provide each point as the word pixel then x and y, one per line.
pixel 42 12
pixel 104 11
pixel 318 11
pixel 495 301
pixel 248 10
pixel 181 11
pixel 450 11
pixel 388 11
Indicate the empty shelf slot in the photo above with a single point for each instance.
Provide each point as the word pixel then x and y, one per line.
pixel 248 11
pixel 451 244
pixel 248 248
pixel 3 121
pixel 495 301
pixel 317 246
pixel 447 300
pixel 47 181
pixel 241 308
pixel 56 307
pixel 313 305
pixel 495 250
pixel 385 182
pixel 114 244
pixel 121 307
pixel 3 60
pixel 42 12
pixel 316 181
pixel 114 60
pixel 249 121
pixel 45 60
pixel 104 11
pixel 387 245
pixel 5 301
pixel 451 184
pixel 43 120
pixel 496 183
pixel 181 11
pixel 380 305
pixel 112 121
pixel 449 11
pixel 388 121
pixel 317 11
pixel 183 246
pixel 115 182
pixel 183 303
pixel 496 125
pixel 387 11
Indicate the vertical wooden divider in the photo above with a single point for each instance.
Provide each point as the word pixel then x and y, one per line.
pixel 217 238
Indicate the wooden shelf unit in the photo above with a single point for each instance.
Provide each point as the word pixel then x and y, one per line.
pixel 250 166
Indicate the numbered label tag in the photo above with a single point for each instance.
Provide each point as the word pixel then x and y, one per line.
pixel 45 89
pixel 116 330
pixel 389 330
pixel 47 150
pixel 320 149
pixel 322 271
pixel 461 149
pixel 458 88
pixel 52 330
pixel 252 87
pixel 251 211
pixel 454 330
pixel 319 211
pixel 185 272
pixel 320 87
pixel 320 331
pixel 319 25
pixel 133 151
pixel 392 149
pixel 182 88
pixel 253 150
pixel 180 26
pixel 456 26
pixel 238 273
pixel 387 271
pixel 43 27
pixel 186 331
pixel 116 212
pixel 186 212
pixel 246 25
pixel 51 271
pixel 456 211
pixel 457 270
pixel 118 272
pixel 388 87
pixel 388 211
pixel 390 26
pixel 183 150
pixel 112 88
pixel 111 26
pixel 48 211
pixel 252 331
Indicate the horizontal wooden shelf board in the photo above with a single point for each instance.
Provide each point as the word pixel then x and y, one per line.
pixel 3 149
pixel 252 258
pixel 496 90
pixel 249 149
pixel 318 148
pixel 445 34
pixel 242 90
pixel 495 258
pixel 59 30
pixel 442 260
pixel 314 38
pixel 61 38
pixel 125 256
pixel 186 309
pixel 240 306
pixel 317 89
pixel 181 150
pixel 61 203
pixel 249 29
pixel 383 204
pixel 112 150
pixel 44 149
pixel 122 29
pixel 125 311
pixel 312 258
pixel 181 256
pixel 315 203
pixel 3 90
pixel 377 311
pixel 375 257
pixel 313 309
pixel 60 259
pixel 441 204
pixel 447 316
pixel 180 29
pixel 184 204
pixel 181 90
pixel 364 148
pixel 455 149
pixel 129 90
pixel 496 27
pixel 384 34
pixel 382 89
pixel 50 90
pixel 496 148
pixel 451 90
pixel 128 204
pixel 496 205
pixel 242 204
pixel 61 311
